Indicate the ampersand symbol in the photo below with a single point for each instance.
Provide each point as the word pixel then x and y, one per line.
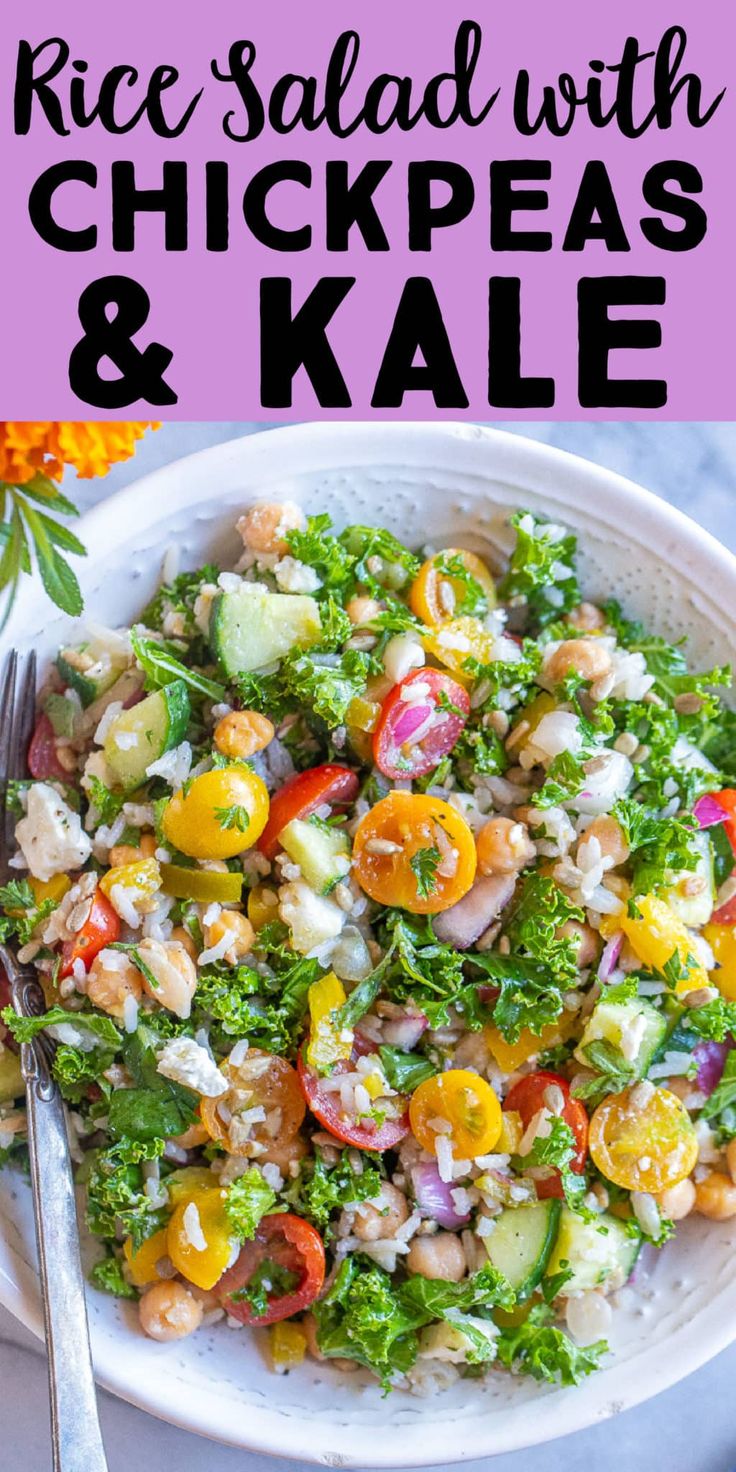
pixel 141 369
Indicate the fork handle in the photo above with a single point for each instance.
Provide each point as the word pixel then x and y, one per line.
pixel 75 1428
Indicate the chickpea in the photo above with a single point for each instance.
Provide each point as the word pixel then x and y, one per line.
pixel 181 934
pixel 715 1197
pixel 242 733
pixel 586 657
pixel 504 846
pixel 440 1256
pixel 586 616
pixel 362 610
pixel 282 1153
pixel 610 836
pixel 586 938
pixel 127 853
pixel 472 1052
pixel 678 1201
pixel 112 978
pixel 264 527
pixel 380 1217
pixel 731 1159
pixel 309 1325
pixel 241 930
pixel 175 974
pixel 168 1311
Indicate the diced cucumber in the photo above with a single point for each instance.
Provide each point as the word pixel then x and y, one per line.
pixel 88 684
pixel 141 735
pixel 521 1243
pixel 635 1029
pixel 11 1078
pixel 62 714
pixel 695 909
pixel 322 854
pixel 251 628
pixel 593 1251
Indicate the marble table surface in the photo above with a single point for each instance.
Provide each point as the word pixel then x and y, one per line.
pixel 687 1429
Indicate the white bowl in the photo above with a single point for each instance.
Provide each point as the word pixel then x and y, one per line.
pixel 443 483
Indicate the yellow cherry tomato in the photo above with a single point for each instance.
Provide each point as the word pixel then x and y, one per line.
pixel 203 1209
pixel 458 640
pixel 415 852
pixel 722 941
pixel 647 1146
pixel 437 592
pixel 656 933
pixel 469 1106
pixel 182 1184
pixel 328 1044
pixel 143 1262
pixel 221 813
pixel 143 878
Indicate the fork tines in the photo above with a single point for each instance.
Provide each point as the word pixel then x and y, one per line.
pixel 17 711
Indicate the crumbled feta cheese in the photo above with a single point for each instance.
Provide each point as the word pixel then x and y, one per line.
pixel 188 1063
pixel 311 918
pixel 296 577
pixel 174 766
pixel 50 836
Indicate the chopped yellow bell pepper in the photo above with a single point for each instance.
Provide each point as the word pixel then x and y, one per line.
pixel 203 886
pixel 722 941
pixel 363 713
pixel 657 934
pixel 47 889
pixel 512 1131
pixel 510 1056
pixel 144 877
pixel 288 1345
pixel 142 1262
pixel 203 1266
pixel 328 1043
pixel 262 906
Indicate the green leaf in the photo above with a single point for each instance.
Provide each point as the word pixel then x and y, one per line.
pixel 61 536
pixel 537 1348
pixel 108 804
pixel 56 575
pixel 535 566
pixel 322 1190
pixel 161 666
pixel 530 993
pixel 248 1199
pixel 424 863
pixel 109 1277
pixel 46 492
pixel 233 817
pixel 116 1195
pixel 93 1026
pixel 406 1071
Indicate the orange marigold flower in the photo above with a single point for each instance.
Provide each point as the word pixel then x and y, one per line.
pixel 28 447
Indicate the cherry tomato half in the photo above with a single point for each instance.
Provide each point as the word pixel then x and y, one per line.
pixel 261 1079
pixel 99 930
pixel 443 584
pixel 43 762
pixel 528 1097
pixel 300 796
pixel 327 1108
pixel 643 1146
pixel 289 1243
pixel 439 710
pixel 466 1103
pixel 414 851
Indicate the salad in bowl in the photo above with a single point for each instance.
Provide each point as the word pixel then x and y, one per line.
pixel 384 909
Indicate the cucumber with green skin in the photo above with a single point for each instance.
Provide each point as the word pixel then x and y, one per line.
pixel 252 628
pixel 88 688
pixel 610 1022
pixel 696 909
pixel 593 1251
pixel 320 853
pixel 139 736
pixel 521 1243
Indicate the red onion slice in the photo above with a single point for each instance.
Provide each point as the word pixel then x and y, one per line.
pixel 711 1059
pixel 610 954
pixel 410 721
pixel 708 811
pixel 464 923
pixel 434 1197
pixel 405 1032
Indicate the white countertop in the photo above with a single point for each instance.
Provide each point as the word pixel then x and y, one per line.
pixel 689 1428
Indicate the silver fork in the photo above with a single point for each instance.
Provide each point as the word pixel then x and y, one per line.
pixel 75 1428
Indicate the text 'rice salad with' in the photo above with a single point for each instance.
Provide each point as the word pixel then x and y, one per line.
pixel 385 914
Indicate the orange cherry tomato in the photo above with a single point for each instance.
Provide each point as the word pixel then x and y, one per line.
pixel 260 1080
pixel 646 1146
pixel 527 1098
pixel 415 852
pixel 437 595
pixel 300 796
pixel 100 929
pixel 292 1245
pixel 469 1106
pixel 399 748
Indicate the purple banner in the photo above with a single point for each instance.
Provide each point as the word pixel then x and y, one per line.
pixel 605 199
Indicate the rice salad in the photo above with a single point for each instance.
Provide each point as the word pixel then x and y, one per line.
pixel 384 910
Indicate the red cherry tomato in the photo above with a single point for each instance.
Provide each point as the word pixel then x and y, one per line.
pixel 395 753
pixel 290 1243
pixel 527 1098
pixel 99 930
pixel 301 795
pixel 326 1106
pixel 42 759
